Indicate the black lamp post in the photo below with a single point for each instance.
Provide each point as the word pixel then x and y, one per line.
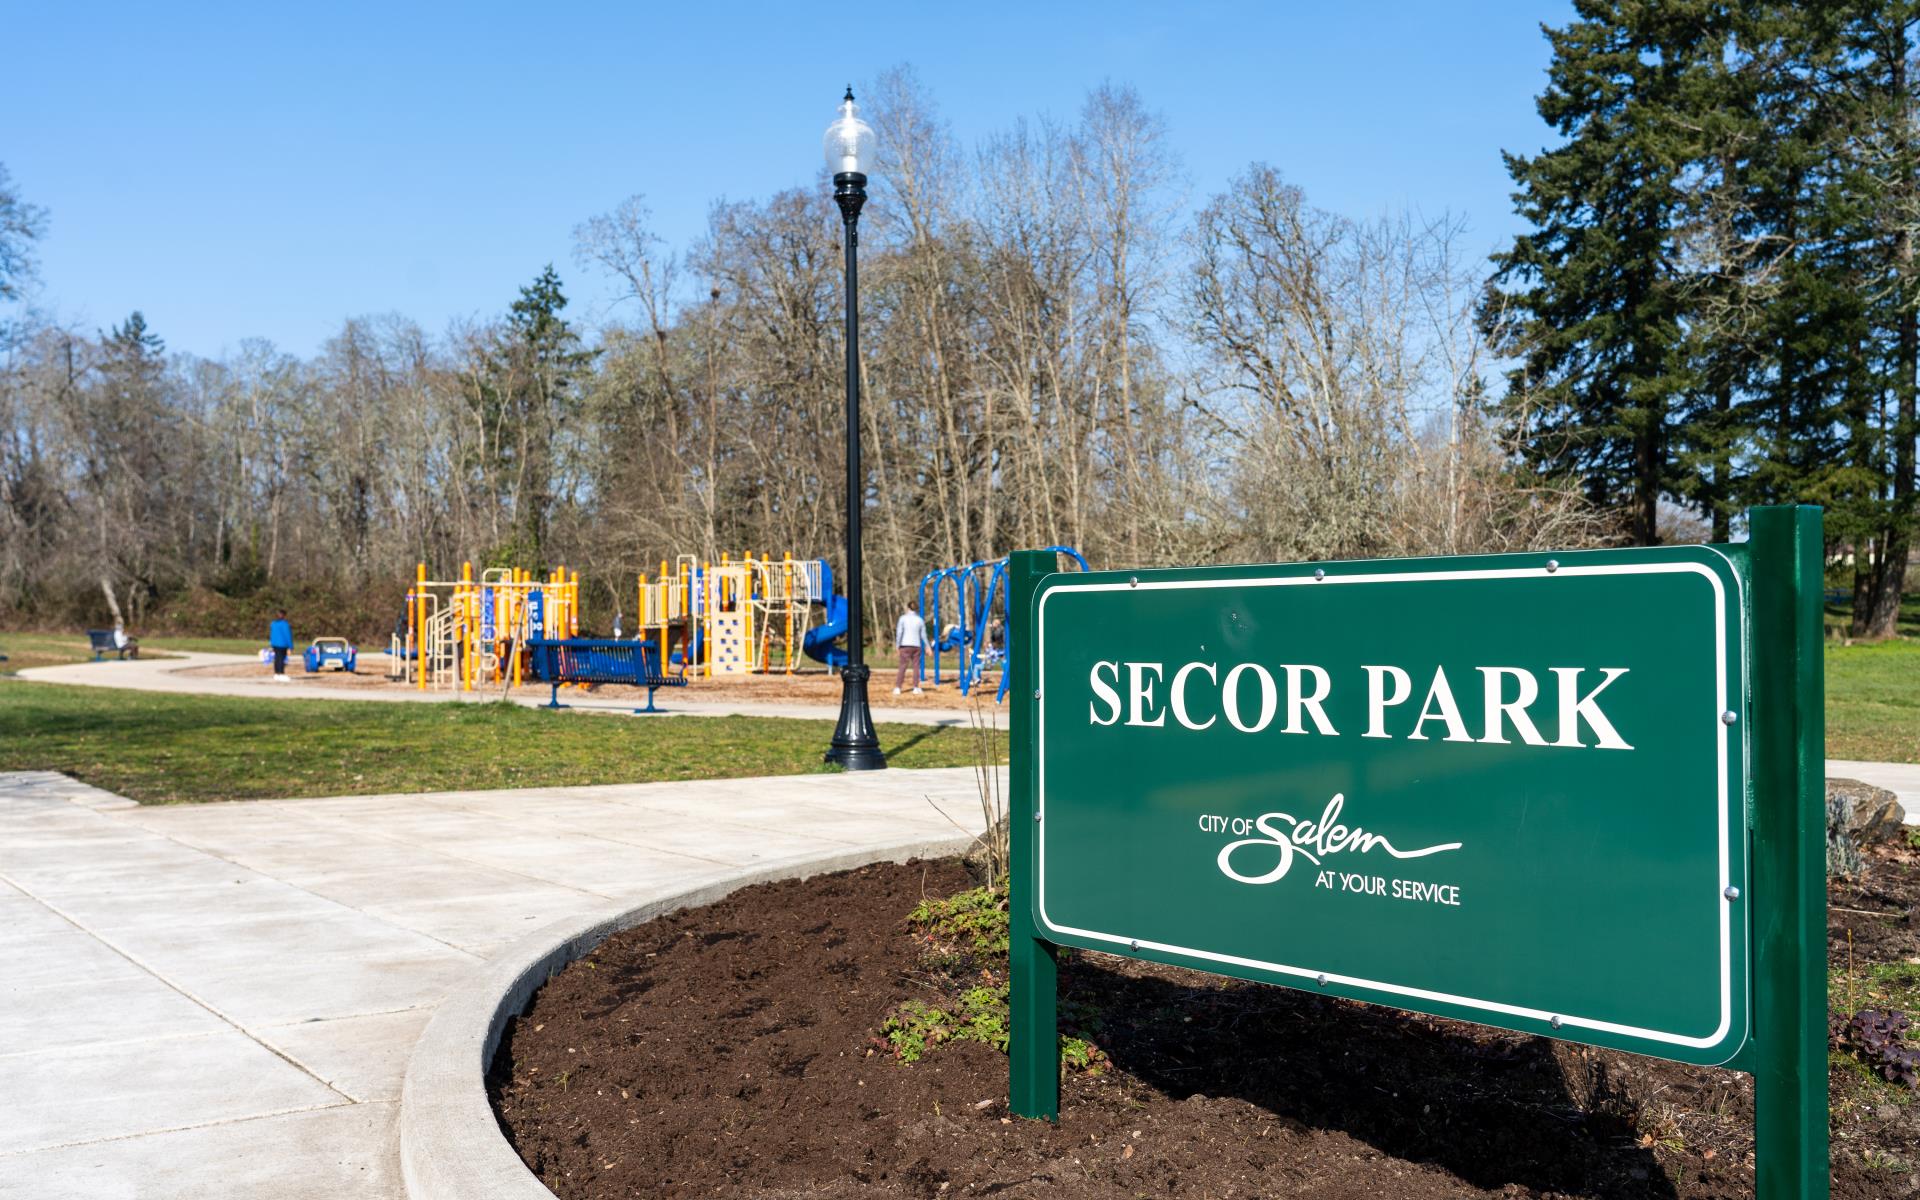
pixel 849 149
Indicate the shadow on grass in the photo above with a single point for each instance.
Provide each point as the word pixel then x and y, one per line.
pixel 902 747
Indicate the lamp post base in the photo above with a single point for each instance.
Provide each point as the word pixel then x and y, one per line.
pixel 855 746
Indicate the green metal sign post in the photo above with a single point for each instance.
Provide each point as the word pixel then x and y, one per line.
pixel 1576 794
pixel 1788 1054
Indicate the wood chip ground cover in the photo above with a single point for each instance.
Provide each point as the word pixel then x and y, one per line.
pixel 734 1051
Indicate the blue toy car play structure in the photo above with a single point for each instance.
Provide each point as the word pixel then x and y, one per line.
pixel 331 652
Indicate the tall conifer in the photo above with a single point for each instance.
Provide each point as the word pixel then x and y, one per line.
pixel 1592 298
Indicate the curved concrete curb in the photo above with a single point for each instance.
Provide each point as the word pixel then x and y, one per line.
pixel 451 1147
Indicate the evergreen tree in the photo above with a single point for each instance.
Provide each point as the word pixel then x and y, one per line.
pixel 1782 339
pixel 135 351
pixel 126 428
pixel 1592 300
pixel 1727 260
pixel 1877 193
pixel 1717 300
pixel 1829 355
pixel 526 397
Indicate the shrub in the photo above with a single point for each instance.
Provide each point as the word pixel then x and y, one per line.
pixel 1878 1038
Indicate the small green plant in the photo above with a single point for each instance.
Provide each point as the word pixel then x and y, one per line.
pixel 916 1027
pixel 982 1015
pixel 975 919
pixel 965 940
pixel 1079 1054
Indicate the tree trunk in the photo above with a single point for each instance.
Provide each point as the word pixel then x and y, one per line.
pixel 113 604
pixel 1722 467
pixel 1896 539
pixel 1646 484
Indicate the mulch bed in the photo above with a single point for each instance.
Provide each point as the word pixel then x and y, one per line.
pixel 732 1051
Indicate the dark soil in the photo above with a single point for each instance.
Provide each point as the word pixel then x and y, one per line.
pixel 733 1051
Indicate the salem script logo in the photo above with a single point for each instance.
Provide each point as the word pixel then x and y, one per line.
pixel 1313 841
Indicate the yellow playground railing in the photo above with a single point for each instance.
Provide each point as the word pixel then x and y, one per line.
pixel 466 633
pixel 731 617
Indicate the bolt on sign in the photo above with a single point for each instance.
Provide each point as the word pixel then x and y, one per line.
pixel 1554 793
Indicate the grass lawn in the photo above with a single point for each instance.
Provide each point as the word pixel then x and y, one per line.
pixel 1873 690
pixel 25 650
pixel 1906 624
pixel 1873 701
pixel 162 749
pixel 159 748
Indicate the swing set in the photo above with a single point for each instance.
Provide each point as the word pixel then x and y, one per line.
pixel 972 633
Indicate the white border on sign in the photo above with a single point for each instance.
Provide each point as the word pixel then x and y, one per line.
pixel 1392 989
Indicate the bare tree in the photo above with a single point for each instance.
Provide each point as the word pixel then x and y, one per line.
pixel 1068 362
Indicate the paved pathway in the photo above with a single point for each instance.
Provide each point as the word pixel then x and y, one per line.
pixel 166 675
pixel 1902 779
pixel 218 1000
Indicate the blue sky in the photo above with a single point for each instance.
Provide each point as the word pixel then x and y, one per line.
pixel 267 170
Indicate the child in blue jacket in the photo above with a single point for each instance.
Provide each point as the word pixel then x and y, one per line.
pixel 280 640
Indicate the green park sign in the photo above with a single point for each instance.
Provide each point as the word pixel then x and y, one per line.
pixel 1524 790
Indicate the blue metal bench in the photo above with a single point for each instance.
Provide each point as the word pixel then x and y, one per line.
pixel 594 660
pixel 101 641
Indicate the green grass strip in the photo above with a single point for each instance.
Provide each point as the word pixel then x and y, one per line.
pixel 163 748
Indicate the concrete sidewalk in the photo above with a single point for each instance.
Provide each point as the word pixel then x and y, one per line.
pixel 218 1000
pixel 1902 779
pixel 165 675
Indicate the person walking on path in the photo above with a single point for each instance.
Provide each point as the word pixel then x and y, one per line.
pixel 280 641
pixel 909 636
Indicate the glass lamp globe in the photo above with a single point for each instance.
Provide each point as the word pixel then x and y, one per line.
pixel 849 140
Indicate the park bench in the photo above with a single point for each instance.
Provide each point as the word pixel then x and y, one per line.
pixel 102 642
pixel 592 660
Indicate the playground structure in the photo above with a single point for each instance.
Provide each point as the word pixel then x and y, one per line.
pixel 969 629
pixel 467 633
pixel 742 616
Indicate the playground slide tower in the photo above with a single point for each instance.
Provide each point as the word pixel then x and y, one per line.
pixel 820 641
pixel 738 616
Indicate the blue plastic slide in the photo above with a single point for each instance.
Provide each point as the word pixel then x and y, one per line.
pixel 819 642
